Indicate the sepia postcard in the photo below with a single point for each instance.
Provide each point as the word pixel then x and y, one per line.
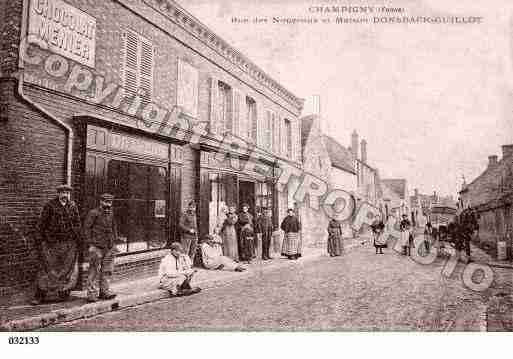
pixel 255 166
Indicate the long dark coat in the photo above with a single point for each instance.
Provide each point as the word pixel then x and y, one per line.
pixel 60 238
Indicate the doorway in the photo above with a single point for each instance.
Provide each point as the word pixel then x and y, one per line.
pixel 247 195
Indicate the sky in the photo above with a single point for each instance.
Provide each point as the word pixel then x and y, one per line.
pixel 433 101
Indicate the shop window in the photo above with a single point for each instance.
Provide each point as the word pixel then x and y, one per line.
pixel 140 205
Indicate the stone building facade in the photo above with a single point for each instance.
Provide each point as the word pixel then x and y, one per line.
pixel 137 98
pixel 368 179
pixel 491 195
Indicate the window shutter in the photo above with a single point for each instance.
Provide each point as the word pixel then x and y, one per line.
pixel 267 130
pixel 254 123
pixel 146 71
pixel 138 66
pixel 236 113
pixel 131 64
pixel 213 106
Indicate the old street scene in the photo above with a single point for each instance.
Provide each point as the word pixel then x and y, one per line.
pixel 210 165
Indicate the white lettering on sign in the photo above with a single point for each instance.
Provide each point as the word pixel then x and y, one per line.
pixel 139 146
pixel 66 30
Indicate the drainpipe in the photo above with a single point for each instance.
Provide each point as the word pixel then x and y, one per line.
pixel 21 76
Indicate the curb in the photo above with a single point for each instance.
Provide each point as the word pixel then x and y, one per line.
pixel 92 309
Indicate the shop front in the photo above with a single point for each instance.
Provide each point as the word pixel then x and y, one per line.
pixel 221 186
pixel 144 175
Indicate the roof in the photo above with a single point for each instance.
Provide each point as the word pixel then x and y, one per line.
pixel 398 185
pixel 340 156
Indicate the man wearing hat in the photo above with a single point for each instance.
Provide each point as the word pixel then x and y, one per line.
pixel 189 230
pixel 175 272
pixel 100 233
pixel 60 235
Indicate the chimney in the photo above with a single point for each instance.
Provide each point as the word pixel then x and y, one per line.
pixel 363 150
pixel 507 151
pixel 354 144
pixel 492 161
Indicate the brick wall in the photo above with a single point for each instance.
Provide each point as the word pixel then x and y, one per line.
pixel 10 27
pixel 32 164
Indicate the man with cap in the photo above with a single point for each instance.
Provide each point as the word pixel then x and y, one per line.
pixel 189 230
pixel 58 243
pixel 175 272
pixel 100 232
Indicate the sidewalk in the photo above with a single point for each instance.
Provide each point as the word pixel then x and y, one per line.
pixel 130 294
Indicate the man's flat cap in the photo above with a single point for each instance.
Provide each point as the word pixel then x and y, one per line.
pixel 107 197
pixel 64 188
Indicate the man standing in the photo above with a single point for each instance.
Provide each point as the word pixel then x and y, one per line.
pixel 189 230
pixel 58 247
pixel 265 224
pixel 100 232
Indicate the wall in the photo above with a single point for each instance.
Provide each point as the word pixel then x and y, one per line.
pixel 32 147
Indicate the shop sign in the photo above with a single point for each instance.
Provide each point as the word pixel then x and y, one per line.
pixel 66 30
pixel 139 146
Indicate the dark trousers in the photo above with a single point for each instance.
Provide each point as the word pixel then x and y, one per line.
pixel 266 244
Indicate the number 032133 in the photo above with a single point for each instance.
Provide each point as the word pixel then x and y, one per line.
pixel 23 340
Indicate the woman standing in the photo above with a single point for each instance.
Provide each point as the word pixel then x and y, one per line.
pixel 335 243
pixel 229 234
pixel 291 243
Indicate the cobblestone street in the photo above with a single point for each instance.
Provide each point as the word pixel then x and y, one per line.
pixel 358 291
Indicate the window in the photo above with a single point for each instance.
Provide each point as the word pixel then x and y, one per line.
pixel 263 195
pixel 187 92
pixel 138 66
pixel 224 100
pixel 288 138
pixel 140 205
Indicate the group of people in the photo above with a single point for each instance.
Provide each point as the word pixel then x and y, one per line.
pixel 405 230
pixel 61 235
pixel 239 239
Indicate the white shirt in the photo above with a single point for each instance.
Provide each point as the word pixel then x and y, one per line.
pixel 173 267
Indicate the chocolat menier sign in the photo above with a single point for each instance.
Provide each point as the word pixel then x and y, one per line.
pixel 66 30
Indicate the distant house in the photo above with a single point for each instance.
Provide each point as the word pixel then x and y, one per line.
pixel 491 195
pixel 343 166
pixel 395 197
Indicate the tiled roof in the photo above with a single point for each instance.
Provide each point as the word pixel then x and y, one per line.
pixel 340 156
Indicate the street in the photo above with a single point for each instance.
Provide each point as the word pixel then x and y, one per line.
pixel 357 291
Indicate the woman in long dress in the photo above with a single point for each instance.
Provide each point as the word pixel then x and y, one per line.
pixel 229 234
pixel 335 244
pixel 292 241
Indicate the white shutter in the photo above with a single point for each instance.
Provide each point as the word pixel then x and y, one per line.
pixel 138 66
pixel 257 126
pixel 146 70
pixel 236 112
pixel 214 122
pixel 131 64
